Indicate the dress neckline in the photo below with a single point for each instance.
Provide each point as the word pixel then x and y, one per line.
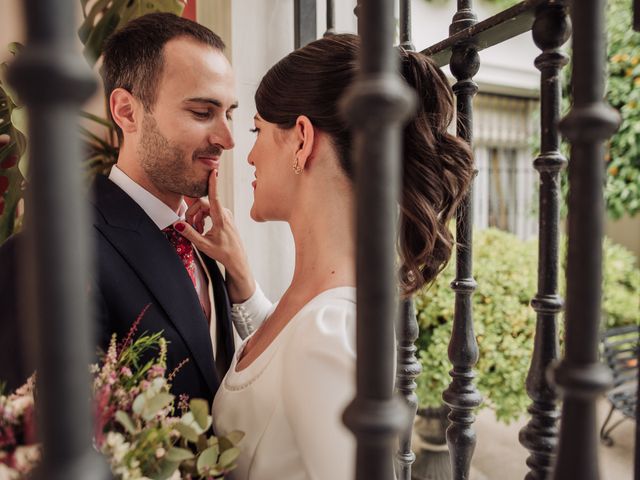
pixel 236 380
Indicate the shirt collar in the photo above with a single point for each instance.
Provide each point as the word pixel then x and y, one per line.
pixel 159 212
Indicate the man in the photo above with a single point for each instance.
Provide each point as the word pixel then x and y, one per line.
pixel 171 95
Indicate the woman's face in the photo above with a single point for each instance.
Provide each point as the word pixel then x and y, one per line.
pixel 273 156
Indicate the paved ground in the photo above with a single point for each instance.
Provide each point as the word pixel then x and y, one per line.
pixel 499 455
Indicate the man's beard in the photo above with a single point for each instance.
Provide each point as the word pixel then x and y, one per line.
pixel 168 166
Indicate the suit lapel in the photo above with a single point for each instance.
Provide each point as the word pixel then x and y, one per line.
pixel 225 347
pixel 147 251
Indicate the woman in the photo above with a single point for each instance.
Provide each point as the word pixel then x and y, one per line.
pixel 292 378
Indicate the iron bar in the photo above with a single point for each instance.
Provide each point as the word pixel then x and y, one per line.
pixel 405 25
pixel 331 18
pixel 304 22
pixel 376 106
pixel 580 375
pixel 636 15
pixel 540 436
pixel 407 371
pixel 494 30
pixel 53 82
pixel 461 396
pixel 407 333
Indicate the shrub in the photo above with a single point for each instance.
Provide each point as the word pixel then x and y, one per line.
pixel 505 268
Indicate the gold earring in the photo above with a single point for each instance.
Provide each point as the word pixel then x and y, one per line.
pixel 296 167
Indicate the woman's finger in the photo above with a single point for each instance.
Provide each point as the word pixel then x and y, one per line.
pixel 188 232
pixel 215 209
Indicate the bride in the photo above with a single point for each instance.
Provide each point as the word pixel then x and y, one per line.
pixel 291 379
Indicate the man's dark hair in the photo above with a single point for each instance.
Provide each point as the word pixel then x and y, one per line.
pixel 133 56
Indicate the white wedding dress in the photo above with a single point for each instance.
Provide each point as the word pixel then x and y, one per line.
pixel 289 401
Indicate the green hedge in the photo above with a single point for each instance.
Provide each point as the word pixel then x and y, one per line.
pixel 505 268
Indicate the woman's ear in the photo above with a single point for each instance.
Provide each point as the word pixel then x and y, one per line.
pixel 123 107
pixel 305 138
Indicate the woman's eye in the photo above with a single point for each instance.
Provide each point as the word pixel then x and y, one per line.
pixel 254 130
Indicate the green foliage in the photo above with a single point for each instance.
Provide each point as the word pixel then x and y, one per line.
pixel 622 190
pixel 104 17
pixel 505 269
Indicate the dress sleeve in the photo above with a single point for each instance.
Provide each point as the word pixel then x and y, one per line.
pixel 318 384
pixel 250 314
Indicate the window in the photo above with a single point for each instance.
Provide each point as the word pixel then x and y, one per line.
pixel 505 194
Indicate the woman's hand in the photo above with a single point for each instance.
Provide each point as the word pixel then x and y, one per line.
pixel 222 242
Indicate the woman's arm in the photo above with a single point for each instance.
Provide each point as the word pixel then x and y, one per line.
pixel 249 315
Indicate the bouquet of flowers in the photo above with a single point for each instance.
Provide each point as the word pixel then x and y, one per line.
pixel 140 427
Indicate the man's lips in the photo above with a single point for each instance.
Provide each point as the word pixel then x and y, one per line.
pixel 210 161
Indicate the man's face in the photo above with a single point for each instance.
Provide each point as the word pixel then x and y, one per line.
pixel 184 135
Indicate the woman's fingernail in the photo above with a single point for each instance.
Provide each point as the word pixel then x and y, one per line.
pixel 179 227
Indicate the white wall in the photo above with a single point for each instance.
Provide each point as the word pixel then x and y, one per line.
pixel 257 33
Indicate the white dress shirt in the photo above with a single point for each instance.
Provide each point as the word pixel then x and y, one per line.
pixel 163 216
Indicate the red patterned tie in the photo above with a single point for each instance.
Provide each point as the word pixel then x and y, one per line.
pixel 184 249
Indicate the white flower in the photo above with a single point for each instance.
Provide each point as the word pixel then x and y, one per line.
pixel 7 473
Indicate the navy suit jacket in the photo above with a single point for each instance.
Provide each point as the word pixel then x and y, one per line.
pixel 135 267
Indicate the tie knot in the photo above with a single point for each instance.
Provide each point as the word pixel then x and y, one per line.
pixel 181 245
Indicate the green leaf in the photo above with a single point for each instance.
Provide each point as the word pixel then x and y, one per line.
pixel 186 431
pixel 156 403
pixel 229 456
pixel 189 419
pixel 207 460
pixel 200 410
pixel 96 38
pixel 123 419
pixel 235 436
pixel 167 469
pixel 176 454
pixel 138 403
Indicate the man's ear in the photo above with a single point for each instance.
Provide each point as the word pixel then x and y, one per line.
pixel 305 136
pixel 123 107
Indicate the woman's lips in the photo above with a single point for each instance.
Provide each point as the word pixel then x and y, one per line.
pixel 253 184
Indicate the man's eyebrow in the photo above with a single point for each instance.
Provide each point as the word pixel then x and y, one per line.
pixel 212 101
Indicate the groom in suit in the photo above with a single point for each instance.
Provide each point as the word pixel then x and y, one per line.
pixel 171 95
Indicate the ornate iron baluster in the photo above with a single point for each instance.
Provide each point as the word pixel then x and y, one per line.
pixel 580 375
pixel 408 369
pixel 331 18
pixel 407 333
pixel 405 25
pixel 376 106
pixel 461 395
pixel 53 82
pixel 304 22
pixel 550 31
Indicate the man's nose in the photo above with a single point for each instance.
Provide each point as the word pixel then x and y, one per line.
pixel 222 135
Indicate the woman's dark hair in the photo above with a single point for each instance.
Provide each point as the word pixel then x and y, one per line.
pixel 438 167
